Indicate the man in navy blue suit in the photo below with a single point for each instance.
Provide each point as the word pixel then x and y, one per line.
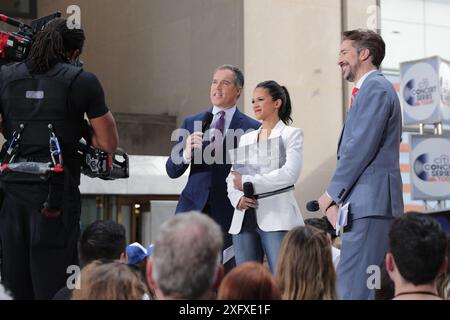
pixel 206 189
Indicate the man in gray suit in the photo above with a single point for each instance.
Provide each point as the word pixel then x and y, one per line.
pixel 367 173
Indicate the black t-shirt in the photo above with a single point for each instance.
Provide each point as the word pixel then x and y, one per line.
pixel 86 97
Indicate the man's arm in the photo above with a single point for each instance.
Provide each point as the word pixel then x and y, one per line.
pixel 87 97
pixel 104 135
pixel 366 132
pixel 175 168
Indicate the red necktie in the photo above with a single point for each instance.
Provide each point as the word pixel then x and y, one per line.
pixel 354 92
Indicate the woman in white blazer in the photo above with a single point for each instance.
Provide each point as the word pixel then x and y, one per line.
pixel 277 214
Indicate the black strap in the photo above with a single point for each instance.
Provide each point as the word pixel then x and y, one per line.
pixel 272 193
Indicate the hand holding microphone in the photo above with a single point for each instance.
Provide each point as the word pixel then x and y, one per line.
pixel 327 206
pixel 247 202
pixel 325 202
pixel 332 213
pixel 195 140
pixel 314 206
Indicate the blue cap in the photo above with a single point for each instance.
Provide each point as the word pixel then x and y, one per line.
pixel 150 250
pixel 136 252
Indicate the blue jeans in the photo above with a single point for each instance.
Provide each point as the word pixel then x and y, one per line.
pixel 251 244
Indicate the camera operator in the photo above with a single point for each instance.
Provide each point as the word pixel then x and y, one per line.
pixel 43 101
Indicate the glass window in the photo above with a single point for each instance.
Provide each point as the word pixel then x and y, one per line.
pixel 404 42
pixel 414 29
pixel 410 11
pixel 437 12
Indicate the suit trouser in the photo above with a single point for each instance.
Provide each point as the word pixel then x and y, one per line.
pixel 227 241
pixel 365 245
pixel 36 249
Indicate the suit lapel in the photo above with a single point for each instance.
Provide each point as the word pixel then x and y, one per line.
pixel 355 102
pixel 277 130
pixel 340 139
pixel 236 121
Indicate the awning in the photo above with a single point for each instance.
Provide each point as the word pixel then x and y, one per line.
pixel 147 177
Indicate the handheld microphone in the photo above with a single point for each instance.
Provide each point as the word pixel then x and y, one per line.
pixel 206 122
pixel 313 206
pixel 249 191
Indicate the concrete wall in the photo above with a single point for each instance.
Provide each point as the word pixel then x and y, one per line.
pixel 361 14
pixel 156 57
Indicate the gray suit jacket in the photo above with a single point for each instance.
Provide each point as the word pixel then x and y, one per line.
pixel 368 171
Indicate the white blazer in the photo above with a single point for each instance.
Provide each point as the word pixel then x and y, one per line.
pixel 279 212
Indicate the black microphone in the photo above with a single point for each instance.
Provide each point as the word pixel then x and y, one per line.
pixel 206 122
pixel 250 213
pixel 249 191
pixel 312 206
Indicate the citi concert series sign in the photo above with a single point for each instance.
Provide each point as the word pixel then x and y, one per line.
pixel 425 91
pixel 430 167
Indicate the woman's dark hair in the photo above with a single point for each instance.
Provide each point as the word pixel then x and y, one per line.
pixel 279 92
pixel 53 43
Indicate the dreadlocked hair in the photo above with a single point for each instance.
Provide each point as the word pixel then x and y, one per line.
pixel 52 43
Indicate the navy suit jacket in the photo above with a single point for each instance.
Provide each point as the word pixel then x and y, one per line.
pixel 207 181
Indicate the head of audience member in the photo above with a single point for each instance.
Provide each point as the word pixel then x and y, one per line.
pixel 271 102
pixel 417 254
pixel 226 86
pixel 443 280
pixel 103 239
pixel 361 51
pixel 110 280
pixel 305 269
pixel 137 256
pixel 136 253
pixel 249 281
pixel 185 263
pixel 324 225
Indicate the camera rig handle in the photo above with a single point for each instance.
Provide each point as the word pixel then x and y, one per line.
pixel 36 25
pixel 13 22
